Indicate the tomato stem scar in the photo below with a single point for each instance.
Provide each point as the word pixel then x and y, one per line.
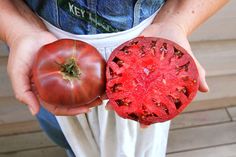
pixel 70 68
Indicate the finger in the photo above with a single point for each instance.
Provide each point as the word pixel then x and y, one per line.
pixel 31 99
pixel 23 92
pixel 95 103
pixel 104 96
pixel 143 126
pixel 71 111
pixel 108 106
pixel 65 110
pixel 203 86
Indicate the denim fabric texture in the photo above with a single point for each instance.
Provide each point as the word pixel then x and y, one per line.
pixel 49 124
pixel 94 16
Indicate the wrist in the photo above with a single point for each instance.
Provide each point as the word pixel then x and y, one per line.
pixel 14 36
pixel 171 25
pixel 17 20
pixel 170 31
pixel 165 29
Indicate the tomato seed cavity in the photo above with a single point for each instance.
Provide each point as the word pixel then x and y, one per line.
pixel 183 67
pixel 123 102
pixel 163 50
pixel 185 91
pixel 178 53
pixel 142 52
pixel 134 42
pixel 116 87
pixel 118 61
pixel 125 49
pixel 133 116
pixel 153 44
pixel 177 102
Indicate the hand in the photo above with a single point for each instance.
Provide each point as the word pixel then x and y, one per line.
pixel 23 49
pixel 72 111
pixel 175 33
pixel 22 52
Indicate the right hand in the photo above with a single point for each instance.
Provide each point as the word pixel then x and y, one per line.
pixel 23 49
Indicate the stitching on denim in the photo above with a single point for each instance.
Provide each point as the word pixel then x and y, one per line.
pixel 92 5
pixel 137 9
pixel 57 14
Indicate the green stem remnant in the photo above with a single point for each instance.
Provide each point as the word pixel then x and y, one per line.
pixel 70 69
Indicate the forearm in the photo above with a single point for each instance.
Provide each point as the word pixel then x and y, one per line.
pixel 188 14
pixel 17 19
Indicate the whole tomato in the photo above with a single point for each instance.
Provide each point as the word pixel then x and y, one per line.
pixel 69 72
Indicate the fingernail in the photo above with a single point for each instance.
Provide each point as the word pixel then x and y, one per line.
pixel 32 110
pixel 108 107
pixel 143 126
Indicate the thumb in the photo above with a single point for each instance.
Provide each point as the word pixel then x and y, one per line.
pixel 108 106
pixel 23 92
pixel 32 102
pixel 203 86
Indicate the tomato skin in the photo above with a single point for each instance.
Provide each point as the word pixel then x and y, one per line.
pixel 55 87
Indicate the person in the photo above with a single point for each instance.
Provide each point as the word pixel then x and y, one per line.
pixel 88 130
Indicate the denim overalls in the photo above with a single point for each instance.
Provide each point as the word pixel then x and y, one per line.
pixel 94 16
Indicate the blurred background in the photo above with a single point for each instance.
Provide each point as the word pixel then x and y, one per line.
pixel 207 128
